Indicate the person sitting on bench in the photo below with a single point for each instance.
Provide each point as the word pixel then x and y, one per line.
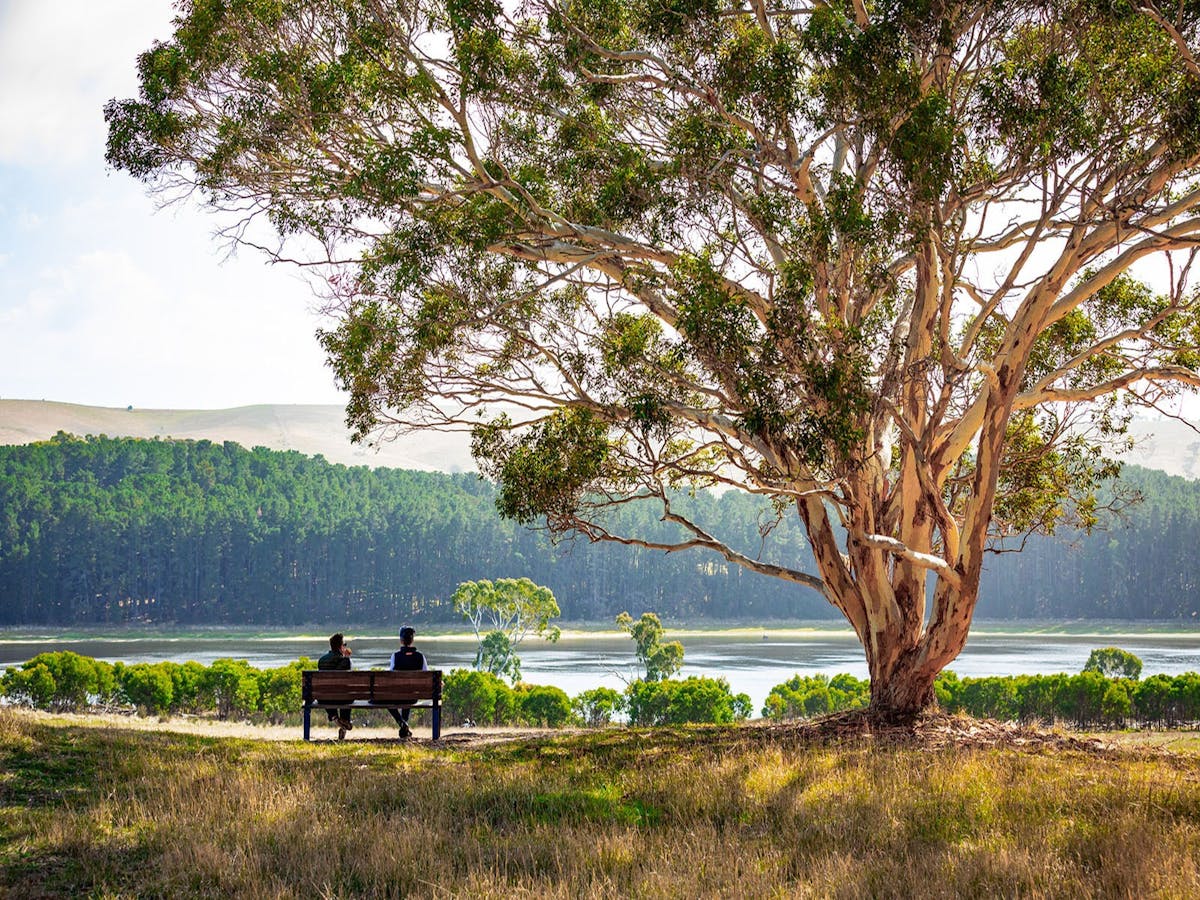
pixel 407 659
pixel 338 658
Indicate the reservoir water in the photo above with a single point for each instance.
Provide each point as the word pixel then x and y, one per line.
pixel 752 661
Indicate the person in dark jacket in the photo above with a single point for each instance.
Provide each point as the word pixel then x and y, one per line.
pixel 338 658
pixel 407 659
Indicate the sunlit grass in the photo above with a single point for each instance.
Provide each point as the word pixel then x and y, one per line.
pixel 621 813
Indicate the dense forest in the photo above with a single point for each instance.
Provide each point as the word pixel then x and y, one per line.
pixel 99 531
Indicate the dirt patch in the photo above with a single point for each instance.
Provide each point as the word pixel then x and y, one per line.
pixel 479 737
pixel 451 737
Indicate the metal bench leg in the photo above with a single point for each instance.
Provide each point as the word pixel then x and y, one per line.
pixel 437 722
pixel 307 721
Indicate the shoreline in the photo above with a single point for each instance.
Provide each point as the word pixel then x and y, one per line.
pixel 574 631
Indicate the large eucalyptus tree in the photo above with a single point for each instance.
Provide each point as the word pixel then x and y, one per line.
pixel 877 262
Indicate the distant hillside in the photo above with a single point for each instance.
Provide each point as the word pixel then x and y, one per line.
pixel 1167 445
pixel 113 530
pixel 311 430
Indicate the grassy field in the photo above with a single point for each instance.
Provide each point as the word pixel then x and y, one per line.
pixel 106 811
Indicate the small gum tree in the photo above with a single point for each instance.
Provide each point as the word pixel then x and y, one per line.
pixel 657 659
pixel 503 613
pixel 877 262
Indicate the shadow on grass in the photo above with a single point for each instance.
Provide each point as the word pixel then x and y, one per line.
pixel 53 766
pixel 681 811
pixel 98 867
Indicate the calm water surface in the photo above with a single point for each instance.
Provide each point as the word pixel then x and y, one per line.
pixel 751 663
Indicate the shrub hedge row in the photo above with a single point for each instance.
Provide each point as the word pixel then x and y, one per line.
pixel 1086 700
pixel 65 681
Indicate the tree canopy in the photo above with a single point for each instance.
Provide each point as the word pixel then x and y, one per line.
pixel 657 660
pixel 878 262
pixel 1113 662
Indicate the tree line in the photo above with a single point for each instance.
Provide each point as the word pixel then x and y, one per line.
pixel 111 531
pixel 122 530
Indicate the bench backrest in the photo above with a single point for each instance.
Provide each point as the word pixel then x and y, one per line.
pixel 377 687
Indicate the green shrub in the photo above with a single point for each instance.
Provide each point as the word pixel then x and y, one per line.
pixel 60 681
pixel 468 696
pixel 1081 700
pixel 646 702
pixel 148 687
pixel 1038 697
pixel 994 698
pixel 812 695
pixel 32 685
pixel 230 687
pixel 508 710
pixel 1115 705
pixel 483 699
pixel 280 691
pixel 1152 700
pixel 187 680
pixel 543 705
pixel 597 707
pixel 679 702
pixel 1185 698
pixel 947 687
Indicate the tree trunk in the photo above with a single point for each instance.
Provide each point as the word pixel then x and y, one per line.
pixel 903 692
pixel 905 664
pixel 882 592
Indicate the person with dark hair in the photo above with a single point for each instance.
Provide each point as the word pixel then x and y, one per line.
pixel 407 659
pixel 338 658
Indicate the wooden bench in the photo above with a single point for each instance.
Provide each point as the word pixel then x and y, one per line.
pixel 373 690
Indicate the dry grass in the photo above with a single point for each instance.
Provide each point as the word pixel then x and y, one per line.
pixel 109 811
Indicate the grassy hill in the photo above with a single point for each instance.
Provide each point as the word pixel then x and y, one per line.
pixel 696 812
pixel 311 430
pixel 1168 445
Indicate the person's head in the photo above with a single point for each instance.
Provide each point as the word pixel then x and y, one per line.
pixel 407 633
pixel 336 641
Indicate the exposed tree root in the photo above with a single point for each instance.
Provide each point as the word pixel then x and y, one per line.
pixel 932 730
pixel 929 730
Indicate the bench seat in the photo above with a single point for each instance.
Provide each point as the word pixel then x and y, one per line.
pixel 331 689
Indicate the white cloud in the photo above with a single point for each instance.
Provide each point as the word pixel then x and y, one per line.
pixel 103 300
pixel 109 329
pixel 29 221
pixel 60 60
